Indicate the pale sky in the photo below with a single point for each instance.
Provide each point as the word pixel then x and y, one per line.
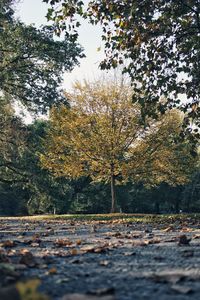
pixel 34 11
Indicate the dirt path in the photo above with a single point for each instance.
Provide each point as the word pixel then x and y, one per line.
pixel 101 260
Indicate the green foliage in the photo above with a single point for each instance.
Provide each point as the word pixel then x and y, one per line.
pixel 191 195
pixel 46 193
pixel 101 136
pixel 13 146
pixel 32 62
pixel 157 41
pixel 90 197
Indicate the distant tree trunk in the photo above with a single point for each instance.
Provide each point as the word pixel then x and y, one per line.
pixel 54 210
pixel 113 206
pixel 177 209
pixel 157 207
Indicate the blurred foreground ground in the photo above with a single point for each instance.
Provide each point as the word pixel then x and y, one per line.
pixel 106 257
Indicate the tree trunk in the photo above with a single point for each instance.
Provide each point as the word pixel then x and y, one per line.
pixel 113 207
pixel 177 209
pixel 157 207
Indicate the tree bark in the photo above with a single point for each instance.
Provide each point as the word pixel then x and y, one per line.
pixel 113 197
pixel 157 207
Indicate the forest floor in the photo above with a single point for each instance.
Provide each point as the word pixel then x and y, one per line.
pixel 100 257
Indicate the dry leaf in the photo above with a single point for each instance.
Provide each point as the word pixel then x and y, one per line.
pixel 100 249
pixel 183 240
pixel 76 261
pixel 27 258
pixel 136 235
pixel 104 263
pixel 170 240
pixel 35 245
pixel 173 276
pixel 196 236
pixel 129 253
pixel 187 253
pixel 87 297
pixel 168 229
pixel 103 291
pixel 8 243
pixel 154 241
pixel 140 243
pixel 63 242
pixel 88 248
pixel 28 290
pixel 181 289
pixel 186 229
pixel 4 258
pixel 73 251
pixel 52 271
pixel 167 277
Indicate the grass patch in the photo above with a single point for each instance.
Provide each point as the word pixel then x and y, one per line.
pixel 126 218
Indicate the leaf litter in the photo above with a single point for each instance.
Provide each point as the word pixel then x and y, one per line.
pixel 97 253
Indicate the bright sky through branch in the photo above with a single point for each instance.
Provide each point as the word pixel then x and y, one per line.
pixel 34 11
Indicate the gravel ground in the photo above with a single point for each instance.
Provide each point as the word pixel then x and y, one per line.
pixel 109 260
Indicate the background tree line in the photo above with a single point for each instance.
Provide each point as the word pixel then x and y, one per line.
pixel 31 68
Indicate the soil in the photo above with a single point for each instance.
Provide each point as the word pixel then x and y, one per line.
pixel 101 259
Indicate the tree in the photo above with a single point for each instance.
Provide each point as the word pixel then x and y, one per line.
pixel 32 62
pixel 191 194
pixel 102 136
pixel 31 66
pixel 13 175
pixel 157 40
pixel 12 145
pixel 46 193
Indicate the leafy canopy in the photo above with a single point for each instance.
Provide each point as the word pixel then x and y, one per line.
pixel 13 146
pixel 102 135
pixel 158 41
pixel 32 62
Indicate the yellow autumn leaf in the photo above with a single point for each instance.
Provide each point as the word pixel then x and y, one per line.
pixel 28 290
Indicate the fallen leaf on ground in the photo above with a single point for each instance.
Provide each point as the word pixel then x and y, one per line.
pixel 140 243
pixel 27 258
pixel 148 230
pixel 28 290
pixel 76 261
pixel 183 240
pixel 8 243
pixel 167 277
pixel 4 258
pixel 154 241
pixel 87 297
pixel 103 291
pixel 181 289
pixel 187 253
pixel 173 276
pixel 168 229
pixel 104 263
pixel 78 242
pixel 186 229
pixel 196 236
pixel 63 242
pixel 35 245
pixel 74 251
pixel 170 240
pixel 129 253
pixel 136 235
pixel 52 271
pixel 94 248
